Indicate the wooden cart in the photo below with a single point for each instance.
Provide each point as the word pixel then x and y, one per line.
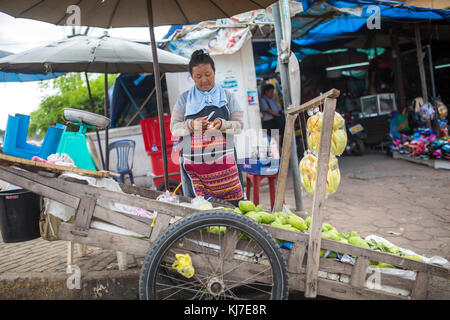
pixel 244 259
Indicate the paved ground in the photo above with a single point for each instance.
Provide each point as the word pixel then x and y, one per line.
pixel 404 202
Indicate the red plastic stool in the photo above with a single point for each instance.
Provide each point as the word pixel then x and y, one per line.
pixel 255 180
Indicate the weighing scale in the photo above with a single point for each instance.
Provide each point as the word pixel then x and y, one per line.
pixel 77 144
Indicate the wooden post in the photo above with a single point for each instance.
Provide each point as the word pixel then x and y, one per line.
pixel 122 260
pixel 423 80
pixel 312 267
pixel 398 74
pixel 284 163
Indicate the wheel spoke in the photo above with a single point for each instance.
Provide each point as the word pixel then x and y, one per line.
pixel 225 265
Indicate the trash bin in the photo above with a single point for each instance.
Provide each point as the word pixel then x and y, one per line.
pixel 19 215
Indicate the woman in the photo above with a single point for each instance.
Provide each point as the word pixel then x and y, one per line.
pixel 206 117
pixel 273 117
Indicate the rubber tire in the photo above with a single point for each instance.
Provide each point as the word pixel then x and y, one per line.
pixel 207 218
pixel 172 183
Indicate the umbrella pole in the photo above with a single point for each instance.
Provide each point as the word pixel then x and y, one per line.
pixel 159 101
pixel 93 111
pixel 106 115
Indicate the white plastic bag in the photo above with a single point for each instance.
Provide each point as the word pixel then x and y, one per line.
pixel 168 197
pixel 201 203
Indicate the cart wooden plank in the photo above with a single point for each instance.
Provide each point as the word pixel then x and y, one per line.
pixel 284 164
pixel 124 221
pixel 12 175
pixel 54 167
pixel 420 288
pixel 161 224
pixel 317 101
pixel 84 215
pixel 105 240
pixel 359 273
pixel 296 257
pixel 319 198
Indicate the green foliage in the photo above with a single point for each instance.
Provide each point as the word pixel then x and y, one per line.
pixel 69 91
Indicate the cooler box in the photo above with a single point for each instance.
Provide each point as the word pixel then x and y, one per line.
pixel 260 166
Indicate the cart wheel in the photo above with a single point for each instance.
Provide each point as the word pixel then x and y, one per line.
pixel 173 184
pixel 244 262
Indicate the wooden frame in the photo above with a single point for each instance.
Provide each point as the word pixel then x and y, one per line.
pixel 329 101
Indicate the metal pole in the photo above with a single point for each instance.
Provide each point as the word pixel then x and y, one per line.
pixel 93 111
pixel 159 101
pixel 283 66
pixel 106 165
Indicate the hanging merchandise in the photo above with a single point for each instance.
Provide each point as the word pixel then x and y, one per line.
pixel 427 112
pixel 308 173
pixel 442 109
pixel 338 138
pixel 308 164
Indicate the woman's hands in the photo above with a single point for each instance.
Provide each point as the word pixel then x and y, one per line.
pixel 201 124
pixel 216 124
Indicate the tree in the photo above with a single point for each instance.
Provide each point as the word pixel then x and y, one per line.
pixel 71 92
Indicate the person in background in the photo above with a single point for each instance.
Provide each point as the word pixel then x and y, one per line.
pixel 273 116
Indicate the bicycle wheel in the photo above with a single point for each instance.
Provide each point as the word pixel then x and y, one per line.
pixel 241 262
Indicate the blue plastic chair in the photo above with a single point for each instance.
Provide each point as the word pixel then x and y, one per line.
pixel 124 164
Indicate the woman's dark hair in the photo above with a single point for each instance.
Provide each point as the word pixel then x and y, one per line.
pixel 200 57
pixel 266 87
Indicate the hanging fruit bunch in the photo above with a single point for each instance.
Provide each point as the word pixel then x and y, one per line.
pixel 308 164
pixel 338 138
pixel 308 173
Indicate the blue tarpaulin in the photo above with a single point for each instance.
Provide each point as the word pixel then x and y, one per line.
pixel 321 22
pixel 127 95
pixel 24 77
pixel 335 18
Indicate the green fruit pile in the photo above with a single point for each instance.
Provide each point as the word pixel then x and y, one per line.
pixel 290 221
pixel 284 220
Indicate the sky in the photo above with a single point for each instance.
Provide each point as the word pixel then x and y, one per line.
pixel 18 35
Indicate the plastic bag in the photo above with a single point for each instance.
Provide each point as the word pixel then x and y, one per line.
pixel 62 159
pixel 183 265
pixel 338 141
pixel 308 173
pixel 426 112
pixel 201 203
pixel 168 197
pixel 338 138
pixel 314 123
